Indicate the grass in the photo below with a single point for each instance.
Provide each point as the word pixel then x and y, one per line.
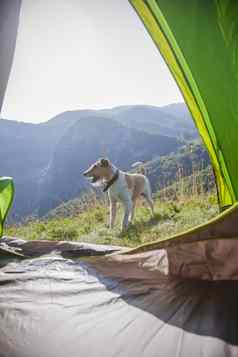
pixel 182 202
pixel 89 224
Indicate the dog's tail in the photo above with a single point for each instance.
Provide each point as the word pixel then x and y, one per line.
pixel 142 170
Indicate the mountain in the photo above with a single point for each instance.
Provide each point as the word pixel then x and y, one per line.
pixel 25 153
pixel 190 159
pixel 46 160
pixel 171 120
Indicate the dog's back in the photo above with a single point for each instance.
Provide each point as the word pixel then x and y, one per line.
pixel 138 184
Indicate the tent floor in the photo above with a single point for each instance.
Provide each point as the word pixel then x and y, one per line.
pixel 66 298
pixel 93 306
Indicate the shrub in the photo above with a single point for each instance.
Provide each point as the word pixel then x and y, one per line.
pixel 63 233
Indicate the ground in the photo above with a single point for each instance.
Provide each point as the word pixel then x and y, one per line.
pixel 89 224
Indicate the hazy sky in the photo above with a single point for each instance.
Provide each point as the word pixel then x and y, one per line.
pixel 78 54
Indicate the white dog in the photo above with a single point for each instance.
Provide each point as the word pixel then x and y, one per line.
pixel 121 186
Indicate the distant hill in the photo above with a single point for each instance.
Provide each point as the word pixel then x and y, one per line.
pixel 46 160
pixel 190 159
pixel 174 120
pixel 26 150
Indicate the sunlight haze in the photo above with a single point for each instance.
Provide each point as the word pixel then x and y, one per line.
pixel 79 54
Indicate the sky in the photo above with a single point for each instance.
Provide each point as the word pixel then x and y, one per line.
pixel 83 54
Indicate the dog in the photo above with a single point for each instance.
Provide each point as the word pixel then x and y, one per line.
pixel 121 186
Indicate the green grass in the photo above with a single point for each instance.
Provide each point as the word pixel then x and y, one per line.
pixel 89 225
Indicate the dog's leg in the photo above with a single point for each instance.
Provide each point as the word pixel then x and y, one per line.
pixel 113 212
pixel 134 199
pixel 150 204
pixel 148 196
pixel 135 195
pixel 128 210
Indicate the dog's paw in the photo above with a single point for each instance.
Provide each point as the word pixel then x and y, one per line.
pixel 121 235
pixel 123 232
pixel 108 226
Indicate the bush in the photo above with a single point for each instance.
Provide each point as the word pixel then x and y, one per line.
pixel 64 233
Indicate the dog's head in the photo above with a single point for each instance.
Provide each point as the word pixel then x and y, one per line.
pixel 98 170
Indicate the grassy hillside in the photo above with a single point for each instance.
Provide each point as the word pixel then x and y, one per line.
pixel 190 159
pixel 86 220
pixel 184 195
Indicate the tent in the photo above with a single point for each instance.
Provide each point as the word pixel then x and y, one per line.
pixel 176 297
pixel 9 15
pixel 6 198
pixel 200 49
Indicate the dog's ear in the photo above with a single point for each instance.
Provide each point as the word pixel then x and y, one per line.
pixel 104 163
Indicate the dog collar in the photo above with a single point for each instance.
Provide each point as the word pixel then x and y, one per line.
pixel 111 182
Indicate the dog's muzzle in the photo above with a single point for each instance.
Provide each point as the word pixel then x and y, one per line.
pixel 92 178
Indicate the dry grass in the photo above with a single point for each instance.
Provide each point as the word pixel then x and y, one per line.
pixel 171 216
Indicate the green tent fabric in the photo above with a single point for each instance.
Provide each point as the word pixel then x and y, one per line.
pixel 9 17
pixel 6 198
pixel 199 42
